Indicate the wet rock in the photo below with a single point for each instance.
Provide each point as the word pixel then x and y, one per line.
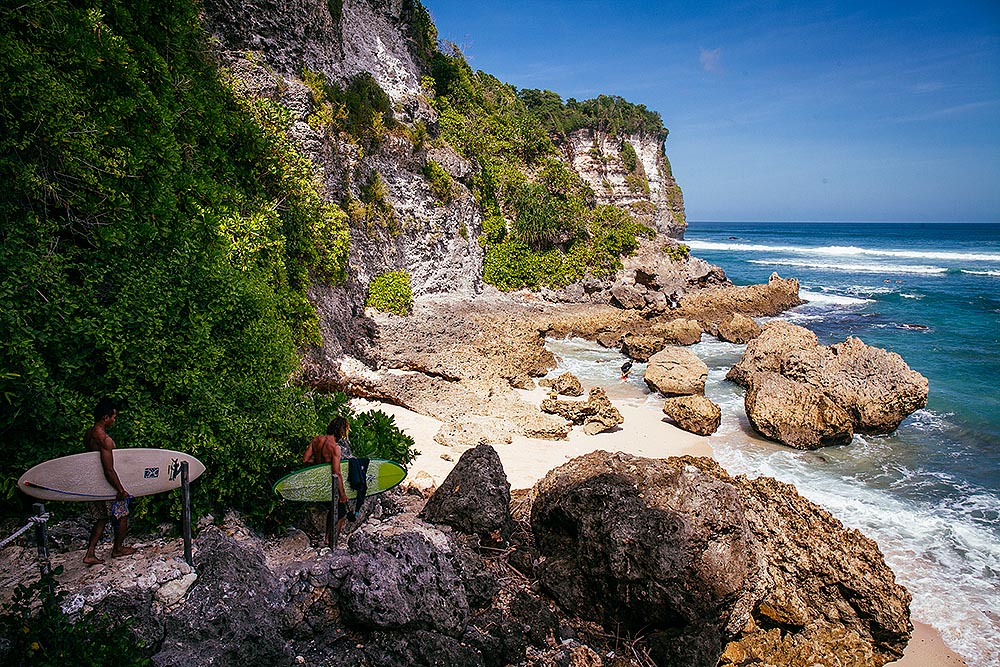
pixel 738 329
pixel 694 413
pixel 676 371
pixel 796 414
pixel 641 348
pixel 875 386
pixel 641 544
pixel 475 496
pixel 680 331
pixel 566 384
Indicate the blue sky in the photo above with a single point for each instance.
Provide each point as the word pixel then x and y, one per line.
pixel 810 111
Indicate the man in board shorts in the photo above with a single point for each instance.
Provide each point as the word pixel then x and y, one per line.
pixel 96 439
pixel 331 448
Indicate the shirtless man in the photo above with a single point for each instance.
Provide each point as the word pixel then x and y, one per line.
pixel 327 449
pixel 97 439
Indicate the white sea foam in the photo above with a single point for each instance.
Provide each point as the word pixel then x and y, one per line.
pixel 826 298
pixel 853 267
pixel 848 251
pixel 995 274
pixel 946 552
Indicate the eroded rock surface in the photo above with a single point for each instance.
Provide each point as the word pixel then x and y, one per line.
pixel 694 413
pixel 566 384
pixel 794 413
pixel 676 371
pixel 597 413
pixel 474 497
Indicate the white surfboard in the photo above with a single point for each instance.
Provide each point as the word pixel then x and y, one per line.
pixel 80 477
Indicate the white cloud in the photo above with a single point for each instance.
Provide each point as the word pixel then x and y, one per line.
pixel 711 60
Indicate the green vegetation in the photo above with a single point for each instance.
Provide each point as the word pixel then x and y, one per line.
pixel 362 110
pixel 375 435
pixel 390 293
pixel 159 234
pixel 677 252
pixel 41 635
pixel 440 181
pixel 609 114
pixel 541 225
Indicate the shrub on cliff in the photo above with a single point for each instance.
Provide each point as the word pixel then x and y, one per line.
pixel 158 238
pixel 541 226
pixel 390 293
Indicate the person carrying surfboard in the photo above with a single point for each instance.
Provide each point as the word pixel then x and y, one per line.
pixel 96 439
pixel 330 448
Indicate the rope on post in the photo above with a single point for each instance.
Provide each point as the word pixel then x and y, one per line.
pixel 42 518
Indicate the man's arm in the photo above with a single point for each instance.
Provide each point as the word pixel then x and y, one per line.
pixel 335 471
pixel 108 463
pixel 308 456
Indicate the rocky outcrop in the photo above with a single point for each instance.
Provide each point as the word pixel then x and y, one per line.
pixel 597 413
pixel 647 188
pixel 475 497
pixel 694 413
pixel 778 339
pixel 679 331
pixel 641 348
pixel 644 545
pixel 796 414
pixel 676 371
pixel 738 329
pixel 875 388
pixel 772 579
pixel 566 384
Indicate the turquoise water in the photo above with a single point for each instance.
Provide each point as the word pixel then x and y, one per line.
pixel 929 493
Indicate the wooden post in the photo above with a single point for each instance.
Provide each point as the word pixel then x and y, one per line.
pixel 335 508
pixel 186 512
pixel 41 533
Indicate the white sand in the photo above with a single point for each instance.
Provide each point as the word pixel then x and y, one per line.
pixel 644 433
pixel 526 460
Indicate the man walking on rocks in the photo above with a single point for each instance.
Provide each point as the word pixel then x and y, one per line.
pixel 96 439
pixel 330 448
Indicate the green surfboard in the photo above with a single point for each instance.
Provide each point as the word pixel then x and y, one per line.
pixel 313 484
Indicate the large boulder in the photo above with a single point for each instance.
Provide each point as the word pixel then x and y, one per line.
pixel 796 414
pixel 694 413
pixel 830 592
pixel 641 348
pixel 596 414
pixel 232 615
pixel 875 386
pixel 766 352
pixel 566 384
pixel 474 497
pixel 404 579
pixel 680 331
pixel 643 545
pixel 738 329
pixel 676 371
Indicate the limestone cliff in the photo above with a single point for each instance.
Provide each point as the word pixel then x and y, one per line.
pixel 631 172
pixel 270 48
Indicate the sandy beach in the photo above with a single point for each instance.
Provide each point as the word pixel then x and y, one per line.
pixel 644 433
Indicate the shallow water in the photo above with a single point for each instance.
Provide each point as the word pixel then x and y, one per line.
pixel 929 493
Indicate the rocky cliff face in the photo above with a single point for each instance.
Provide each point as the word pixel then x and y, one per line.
pixel 631 172
pixel 269 47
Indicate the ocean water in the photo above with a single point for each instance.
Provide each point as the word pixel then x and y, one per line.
pixel 929 493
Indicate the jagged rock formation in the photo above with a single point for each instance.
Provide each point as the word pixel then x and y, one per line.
pixel 701 561
pixel 796 414
pixel 840 388
pixel 738 329
pixel 475 497
pixel 704 568
pixel 694 413
pixel 597 413
pixel 566 384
